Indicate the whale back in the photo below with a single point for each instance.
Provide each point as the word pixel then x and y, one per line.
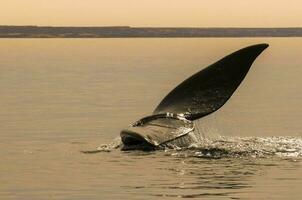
pixel 209 89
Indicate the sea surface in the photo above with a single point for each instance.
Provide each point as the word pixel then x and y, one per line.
pixel 64 101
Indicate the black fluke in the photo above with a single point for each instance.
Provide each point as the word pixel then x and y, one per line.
pixel 209 89
pixel 201 94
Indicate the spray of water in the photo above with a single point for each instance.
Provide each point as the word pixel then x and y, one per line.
pixel 206 142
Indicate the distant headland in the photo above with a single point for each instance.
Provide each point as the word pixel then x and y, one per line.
pixel 142 32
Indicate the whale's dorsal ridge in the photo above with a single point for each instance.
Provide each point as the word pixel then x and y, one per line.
pixel 209 89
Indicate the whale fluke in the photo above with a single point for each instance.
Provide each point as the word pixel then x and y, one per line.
pixel 201 94
pixel 209 89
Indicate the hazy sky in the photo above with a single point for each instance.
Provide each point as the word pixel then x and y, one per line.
pixel 201 13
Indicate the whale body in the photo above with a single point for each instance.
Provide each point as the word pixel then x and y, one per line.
pixel 200 95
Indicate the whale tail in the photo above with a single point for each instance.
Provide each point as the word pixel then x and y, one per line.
pixel 201 94
pixel 209 89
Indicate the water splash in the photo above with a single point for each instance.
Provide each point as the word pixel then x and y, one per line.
pixel 223 146
pixel 115 144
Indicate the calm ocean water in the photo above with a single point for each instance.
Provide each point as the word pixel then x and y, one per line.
pixel 60 97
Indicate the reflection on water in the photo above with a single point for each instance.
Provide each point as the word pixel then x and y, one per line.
pixel 60 97
pixel 210 178
pixel 225 167
pixel 186 176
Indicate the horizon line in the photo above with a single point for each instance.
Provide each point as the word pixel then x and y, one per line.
pixel 125 26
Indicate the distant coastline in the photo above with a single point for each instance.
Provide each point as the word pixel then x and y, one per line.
pixel 142 32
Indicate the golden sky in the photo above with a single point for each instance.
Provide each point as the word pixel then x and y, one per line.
pixel 173 13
